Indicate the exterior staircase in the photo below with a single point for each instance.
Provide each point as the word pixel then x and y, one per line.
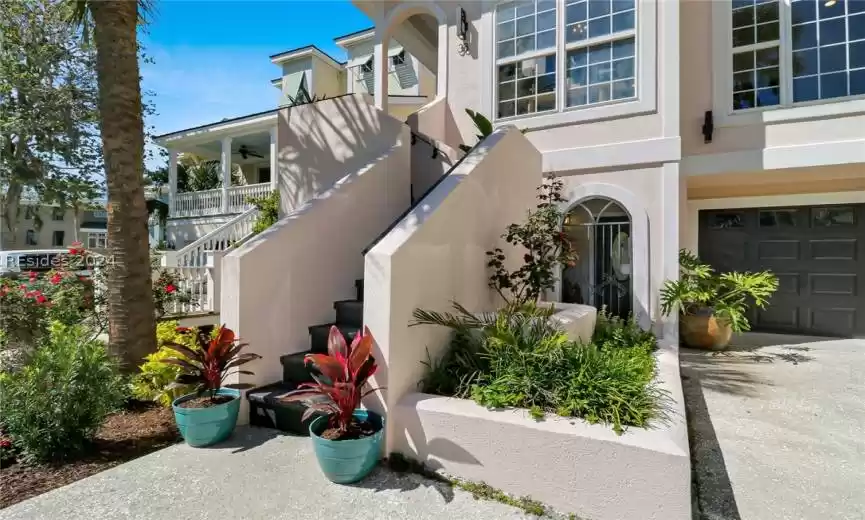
pixel 265 407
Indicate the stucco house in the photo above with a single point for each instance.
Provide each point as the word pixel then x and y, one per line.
pixel 734 128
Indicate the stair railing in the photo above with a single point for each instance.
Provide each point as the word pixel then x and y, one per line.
pixel 224 237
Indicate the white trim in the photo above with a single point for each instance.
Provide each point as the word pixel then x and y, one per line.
pixel 646 64
pixel 764 201
pixel 305 52
pixel 207 133
pixel 671 194
pixel 786 112
pixel 641 276
pixel 779 157
pixel 354 39
pixel 628 153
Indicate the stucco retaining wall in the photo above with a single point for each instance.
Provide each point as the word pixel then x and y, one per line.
pixel 568 464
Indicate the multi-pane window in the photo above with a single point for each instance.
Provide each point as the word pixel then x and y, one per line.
pixel 526 57
pixel 599 61
pixel 96 240
pixel 804 50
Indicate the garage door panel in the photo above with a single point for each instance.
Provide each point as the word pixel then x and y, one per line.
pixel 788 284
pixel 777 317
pixel 833 249
pixel 833 284
pixel 817 253
pixel 778 250
pixel 834 322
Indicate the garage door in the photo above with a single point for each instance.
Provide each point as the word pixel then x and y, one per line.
pixel 817 252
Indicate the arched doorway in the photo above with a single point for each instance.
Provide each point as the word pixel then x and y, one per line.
pixel 600 231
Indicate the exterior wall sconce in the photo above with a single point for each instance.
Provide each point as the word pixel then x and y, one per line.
pixel 462 31
pixel 708 127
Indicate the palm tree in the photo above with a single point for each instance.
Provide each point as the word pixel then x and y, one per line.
pixel 131 327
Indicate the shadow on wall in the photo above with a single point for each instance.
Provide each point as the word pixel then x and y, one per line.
pixel 428 450
pixel 320 142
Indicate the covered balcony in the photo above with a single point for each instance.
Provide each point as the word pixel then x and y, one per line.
pixel 239 156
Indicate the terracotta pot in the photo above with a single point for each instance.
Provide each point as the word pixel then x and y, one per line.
pixel 706 332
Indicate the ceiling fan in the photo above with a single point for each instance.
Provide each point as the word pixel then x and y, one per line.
pixel 246 152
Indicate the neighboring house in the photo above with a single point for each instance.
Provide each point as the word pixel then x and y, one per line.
pixel 727 127
pixel 45 226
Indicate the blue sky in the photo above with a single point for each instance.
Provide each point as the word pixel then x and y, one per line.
pixel 211 58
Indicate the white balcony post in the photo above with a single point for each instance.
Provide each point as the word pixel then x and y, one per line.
pixel 225 164
pixel 172 180
pixel 274 178
pixel 380 70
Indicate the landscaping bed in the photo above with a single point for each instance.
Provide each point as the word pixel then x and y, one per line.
pixel 138 430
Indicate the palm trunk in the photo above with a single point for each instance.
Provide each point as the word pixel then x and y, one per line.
pixel 131 327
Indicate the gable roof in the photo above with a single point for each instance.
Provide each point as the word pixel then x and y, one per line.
pixel 302 52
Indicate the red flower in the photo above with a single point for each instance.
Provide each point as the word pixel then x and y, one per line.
pixel 41 299
pixel 5 443
pixel 170 288
pixel 56 278
pixel 32 275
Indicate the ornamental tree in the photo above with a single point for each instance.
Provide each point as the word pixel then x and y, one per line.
pixel 543 245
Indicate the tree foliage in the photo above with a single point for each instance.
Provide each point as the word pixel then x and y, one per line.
pixel 50 147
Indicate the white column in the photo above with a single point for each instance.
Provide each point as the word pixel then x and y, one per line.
pixel 172 180
pixel 225 165
pixel 380 70
pixel 274 178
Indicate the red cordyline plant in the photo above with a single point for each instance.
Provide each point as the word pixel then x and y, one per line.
pixel 340 375
pixel 207 367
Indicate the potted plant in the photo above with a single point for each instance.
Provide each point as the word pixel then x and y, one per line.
pixel 346 439
pixel 713 306
pixel 209 414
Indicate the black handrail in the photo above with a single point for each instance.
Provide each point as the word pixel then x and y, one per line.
pixel 421 198
pixel 415 137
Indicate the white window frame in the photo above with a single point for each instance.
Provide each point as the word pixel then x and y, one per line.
pixel 645 64
pixel 786 111
pixel 100 237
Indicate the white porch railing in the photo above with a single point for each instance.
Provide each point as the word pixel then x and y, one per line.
pixel 238 196
pixel 201 284
pixel 232 232
pixel 209 202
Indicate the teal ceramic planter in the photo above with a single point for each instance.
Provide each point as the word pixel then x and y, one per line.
pixel 206 426
pixel 344 462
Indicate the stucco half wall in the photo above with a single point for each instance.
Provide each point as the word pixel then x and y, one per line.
pixel 346 181
pixel 436 255
pixel 321 142
pixel 568 464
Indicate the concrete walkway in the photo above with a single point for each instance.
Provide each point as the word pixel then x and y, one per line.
pixel 257 474
pixel 778 432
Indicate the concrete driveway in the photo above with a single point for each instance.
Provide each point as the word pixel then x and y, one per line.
pixel 257 474
pixel 778 431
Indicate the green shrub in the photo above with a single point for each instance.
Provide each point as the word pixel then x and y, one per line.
pixel 153 380
pixel 614 332
pixel 268 207
pixel 520 358
pixel 55 403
